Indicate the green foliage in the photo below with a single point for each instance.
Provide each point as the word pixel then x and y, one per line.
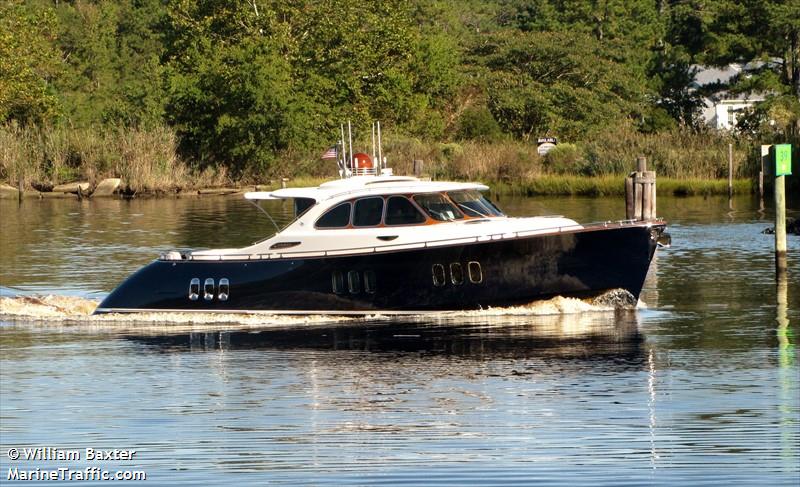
pixel 561 84
pixel 248 84
pixel 28 63
pixel 478 123
pixel 564 159
pixel 112 62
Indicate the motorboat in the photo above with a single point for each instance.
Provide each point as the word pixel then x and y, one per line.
pixel 373 242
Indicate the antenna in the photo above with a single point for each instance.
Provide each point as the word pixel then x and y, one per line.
pixel 344 153
pixel 350 135
pixel 373 142
pixel 380 149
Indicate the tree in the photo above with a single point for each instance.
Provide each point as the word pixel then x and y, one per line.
pixel 559 84
pixel 112 62
pixel 231 92
pixel 29 60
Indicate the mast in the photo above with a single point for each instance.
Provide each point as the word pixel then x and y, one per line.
pixel 350 135
pixel 381 162
pixel 373 142
pixel 344 152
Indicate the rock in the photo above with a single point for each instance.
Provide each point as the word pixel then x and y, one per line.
pixel 107 187
pixel 9 192
pixel 42 187
pixel 83 187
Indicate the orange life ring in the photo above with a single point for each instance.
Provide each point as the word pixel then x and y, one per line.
pixel 362 161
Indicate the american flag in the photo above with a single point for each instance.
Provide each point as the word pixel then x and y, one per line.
pixel 330 153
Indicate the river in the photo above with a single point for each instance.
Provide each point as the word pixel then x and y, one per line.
pixel 698 386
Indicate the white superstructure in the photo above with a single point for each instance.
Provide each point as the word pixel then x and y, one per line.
pixel 364 214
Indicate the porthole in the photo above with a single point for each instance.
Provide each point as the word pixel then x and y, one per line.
pixel 369 282
pixel 438 275
pixel 224 289
pixel 208 289
pixel 354 282
pixel 456 274
pixel 475 272
pixel 337 282
pixel 194 289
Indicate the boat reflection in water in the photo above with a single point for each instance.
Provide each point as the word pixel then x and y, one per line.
pixel 612 334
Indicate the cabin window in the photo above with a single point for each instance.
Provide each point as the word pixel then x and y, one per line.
pixel 401 211
pixel 438 275
pixel 438 207
pixel 224 289
pixel 301 205
pixel 208 289
pixel 456 274
pixel 194 289
pixel 368 212
pixel 369 282
pixel 337 282
pixel 338 217
pixel 473 203
pixel 475 272
pixel 354 282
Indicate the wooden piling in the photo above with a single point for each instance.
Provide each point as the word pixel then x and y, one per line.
pixel 20 188
pixel 780 227
pixel 640 192
pixel 629 206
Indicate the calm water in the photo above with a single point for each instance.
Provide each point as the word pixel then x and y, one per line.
pixel 700 388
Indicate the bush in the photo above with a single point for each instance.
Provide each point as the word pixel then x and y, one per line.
pixel 478 124
pixel 564 159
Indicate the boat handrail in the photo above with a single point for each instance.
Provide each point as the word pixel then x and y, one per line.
pixel 401 246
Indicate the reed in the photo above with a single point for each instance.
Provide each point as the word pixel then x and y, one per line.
pixel 146 160
pixel 614 186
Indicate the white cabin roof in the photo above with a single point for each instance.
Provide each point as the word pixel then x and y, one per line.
pixel 364 185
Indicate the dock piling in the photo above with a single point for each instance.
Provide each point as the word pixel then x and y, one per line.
pixel 640 192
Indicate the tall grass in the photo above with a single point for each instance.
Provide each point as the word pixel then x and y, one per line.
pixel 145 160
pixel 559 184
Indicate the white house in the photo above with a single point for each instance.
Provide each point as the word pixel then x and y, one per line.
pixel 722 110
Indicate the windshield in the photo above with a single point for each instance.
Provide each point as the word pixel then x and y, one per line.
pixel 281 212
pixel 473 203
pixel 438 207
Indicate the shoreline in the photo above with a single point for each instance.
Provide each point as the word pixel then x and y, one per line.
pixel 546 185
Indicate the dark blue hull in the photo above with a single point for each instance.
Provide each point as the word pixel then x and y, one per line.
pixel 457 277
